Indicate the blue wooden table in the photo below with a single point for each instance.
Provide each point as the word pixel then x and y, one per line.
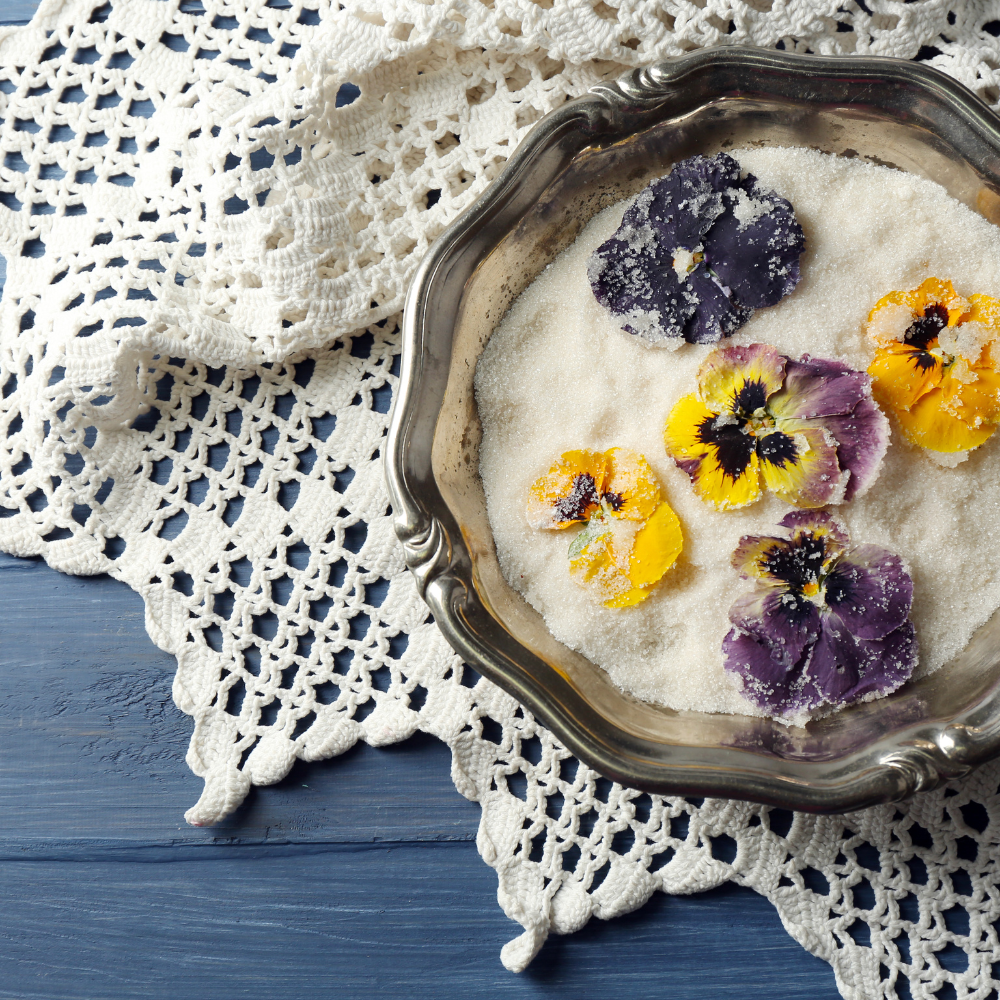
pixel 357 877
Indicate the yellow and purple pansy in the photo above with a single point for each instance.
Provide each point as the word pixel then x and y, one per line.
pixel 827 623
pixel 629 535
pixel 937 365
pixel 808 429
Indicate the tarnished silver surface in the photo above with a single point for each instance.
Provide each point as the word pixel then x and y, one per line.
pixel 577 160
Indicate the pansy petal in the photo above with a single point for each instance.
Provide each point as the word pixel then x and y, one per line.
pixel 818 387
pixel 755 553
pixel 714 483
pixel 889 662
pixel 818 524
pixel 782 621
pixel 902 374
pixel 893 314
pixel 714 452
pixel 937 426
pixel 871 591
pixel 934 291
pixel 595 566
pixel 736 378
pixel 755 246
pixel 683 436
pixel 657 545
pixel 633 280
pixel 568 492
pixel 862 441
pixel 799 463
pixel 845 668
pixel 765 681
pixel 630 486
pixel 752 659
pixel 972 391
pixel 795 563
pixel 986 310
pixel 683 205
pixel 716 314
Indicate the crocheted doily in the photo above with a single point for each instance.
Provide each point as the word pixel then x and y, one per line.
pixel 210 211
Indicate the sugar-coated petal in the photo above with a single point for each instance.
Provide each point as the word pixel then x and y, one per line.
pixel 973 390
pixel 862 441
pixel 844 668
pixel 817 524
pixel 799 462
pixel 736 379
pixel 597 566
pixel 782 621
pixel 796 563
pixel 657 545
pixel 818 387
pixel 896 305
pixel 722 477
pixel 716 314
pixel 765 681
pixel 714 451
pixel 630 485
pixel 934 424
pixel 870 590
pixel 902 374
pixel 569 492
pixel 755 245
pixel 683 435
pixel 632 277
pixel 754 555
pixel 682 206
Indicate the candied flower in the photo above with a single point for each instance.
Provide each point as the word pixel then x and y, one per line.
pixel 808 428
pixel 630 536
pixel 697 252
pixel 937 366
pixel 828 622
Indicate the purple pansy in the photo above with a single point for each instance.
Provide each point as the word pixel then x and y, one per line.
pixel 828 622
pixel 696 253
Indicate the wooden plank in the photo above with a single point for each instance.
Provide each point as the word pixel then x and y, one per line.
pixel 18 11
pixel 408 921
pixel 92 747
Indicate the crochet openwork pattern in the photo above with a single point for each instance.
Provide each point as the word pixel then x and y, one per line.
pixel 209 214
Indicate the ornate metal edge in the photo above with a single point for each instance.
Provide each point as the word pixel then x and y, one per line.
pixel 432 543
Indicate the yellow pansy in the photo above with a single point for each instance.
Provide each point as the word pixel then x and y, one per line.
pixel 629 537
pixel 937 365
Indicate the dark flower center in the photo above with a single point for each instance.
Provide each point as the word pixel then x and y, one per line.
pixel 582 496
pixel 922 331
pixel 778 449
pixel 733 446
pixel 748 427
pixel 614 500
pixel 799 565
pixel 750 398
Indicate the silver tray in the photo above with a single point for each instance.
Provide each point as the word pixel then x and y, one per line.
pixel 577 160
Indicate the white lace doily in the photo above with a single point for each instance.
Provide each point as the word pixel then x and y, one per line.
pixel 208 233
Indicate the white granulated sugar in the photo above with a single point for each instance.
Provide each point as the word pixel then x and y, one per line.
pixel 559 374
